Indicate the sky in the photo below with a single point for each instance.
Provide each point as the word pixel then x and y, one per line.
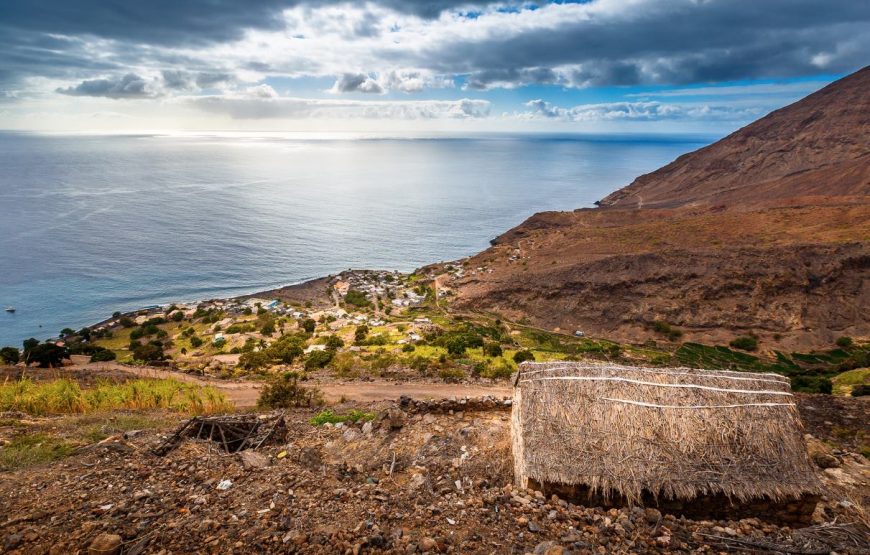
pixel 598 66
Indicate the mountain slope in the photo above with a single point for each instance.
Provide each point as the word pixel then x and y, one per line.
pixel 766 232
pixel 819 145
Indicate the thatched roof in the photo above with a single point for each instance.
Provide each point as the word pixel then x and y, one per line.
pixel 676 433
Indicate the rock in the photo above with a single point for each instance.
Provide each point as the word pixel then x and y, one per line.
pixel 309 457
pixel 395 418
pixel 428 544
pixel 533 526
pixel 251 460
pixel 350 435
pixel 663 541
pixel 367 428
pixel 825 460
pixel 548 548
pixel 105 544
pixel 12 541
pixel 652 516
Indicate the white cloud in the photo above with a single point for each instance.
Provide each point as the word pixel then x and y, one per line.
pixel 653 111
pixel 245 106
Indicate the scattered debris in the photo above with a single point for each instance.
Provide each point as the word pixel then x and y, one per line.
pixel 234 433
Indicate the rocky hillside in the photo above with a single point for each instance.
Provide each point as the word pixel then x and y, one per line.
pixel 819 146
pixel 764 232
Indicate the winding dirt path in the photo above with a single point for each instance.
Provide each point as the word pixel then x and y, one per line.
pixel 244 393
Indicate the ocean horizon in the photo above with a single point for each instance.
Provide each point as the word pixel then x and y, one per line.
pixel 95 223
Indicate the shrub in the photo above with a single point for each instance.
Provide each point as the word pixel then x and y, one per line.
pixel 811 384
pixel 667 330
pixel 219 343
pixel 254 360
pixel 318 359
pixel 845 342
pixel 343 363
pixel 126 322
pixel 408 348
pixel 104 355
pixel 330 417
pixel 861 390
pixel 499 369
pixel 744 343
pixel 177 316
pixel 493 350
pixel 360 334
pixel 308 325
pixel 523 356
pixel 195 341
pixel 9 355
pixel 285 392
pixel 377 339
pixel 268 329
pixel 334 342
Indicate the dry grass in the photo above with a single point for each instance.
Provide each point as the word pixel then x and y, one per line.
pixel 733 433
pixel 64 396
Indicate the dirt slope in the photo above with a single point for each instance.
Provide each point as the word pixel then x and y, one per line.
pixel 817 146
pixel 765 231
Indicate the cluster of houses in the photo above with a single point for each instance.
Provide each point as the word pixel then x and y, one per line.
pixel 379 285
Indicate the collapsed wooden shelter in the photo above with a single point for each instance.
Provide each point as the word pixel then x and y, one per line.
pixel 694 442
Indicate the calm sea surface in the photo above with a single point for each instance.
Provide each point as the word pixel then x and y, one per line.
pixel 94 224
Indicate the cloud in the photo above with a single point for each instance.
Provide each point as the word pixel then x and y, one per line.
pixel 356 82
pixel 649 111
pixel 247 106
pixel 127 86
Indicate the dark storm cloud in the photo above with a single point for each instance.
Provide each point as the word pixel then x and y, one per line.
pixel 673 42
pixel 172 22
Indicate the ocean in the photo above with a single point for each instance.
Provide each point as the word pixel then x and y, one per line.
pixel 91 224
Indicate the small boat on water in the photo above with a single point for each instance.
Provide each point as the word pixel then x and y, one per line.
pixel 9 309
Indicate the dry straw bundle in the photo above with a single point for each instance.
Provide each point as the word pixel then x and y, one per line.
pixel 671 433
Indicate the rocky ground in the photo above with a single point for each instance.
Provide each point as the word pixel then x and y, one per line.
pixel 423 477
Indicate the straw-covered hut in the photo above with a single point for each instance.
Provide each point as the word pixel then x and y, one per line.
pixel 696 442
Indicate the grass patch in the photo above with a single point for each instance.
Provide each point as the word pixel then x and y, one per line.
pixel 328 416
pixel 845 382
pixel 64 396
pixel 33 449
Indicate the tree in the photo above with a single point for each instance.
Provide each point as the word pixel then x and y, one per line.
pixel 9 355
pixel 178 316
pixel 268 329
pixel 150 352
pixel 46 355
pixel 360 334
pixel 492 350
pixel 318 359
pixel 66 331
pixel 334 342
pixel 195 341
pixel 308 325
pixel 523 356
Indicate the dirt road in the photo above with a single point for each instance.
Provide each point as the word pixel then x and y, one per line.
pixel 244 393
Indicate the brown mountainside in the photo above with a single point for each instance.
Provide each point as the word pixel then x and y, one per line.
pixel 817 146
pixel 763 232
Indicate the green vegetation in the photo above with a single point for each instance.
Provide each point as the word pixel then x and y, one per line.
pixel 308 325
pixel 284 391
pixel 523 356
pixel 861 390
pixel 670 332
pixel 851 380
pixel 357 298
pixel 844 342
pixel 329 417
pixel 103 355
pixel 65 396
pixel 9 355
pixel 33 449
pixel 745 343
pixel 318 359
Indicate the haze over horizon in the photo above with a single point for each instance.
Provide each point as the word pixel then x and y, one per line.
pixel 675 66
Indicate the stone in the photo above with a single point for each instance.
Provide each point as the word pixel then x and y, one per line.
pixel 533 526
pixel 105 544
pixel 12 541
pixel 310 458
pixel 548 548
pixel 428 544
pixel 367 428
pixel 826 460
pixel 251 460
pixel 651 515
pixel 395 418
